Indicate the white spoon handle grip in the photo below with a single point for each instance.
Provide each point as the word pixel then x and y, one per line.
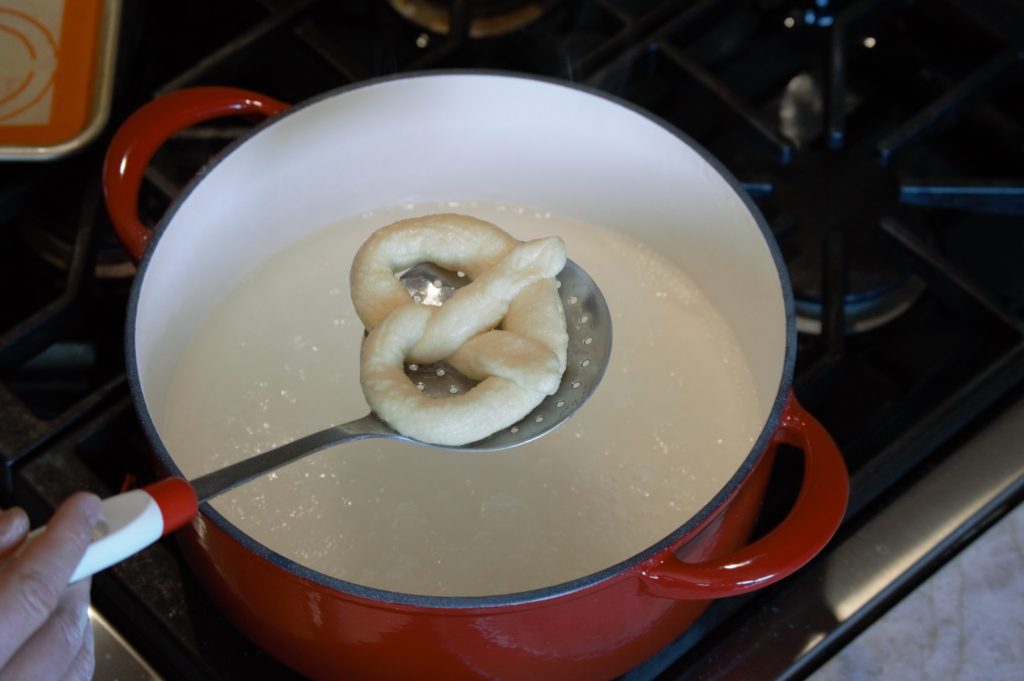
pixel 130 522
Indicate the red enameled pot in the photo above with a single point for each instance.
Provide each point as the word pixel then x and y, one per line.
pixel 483 136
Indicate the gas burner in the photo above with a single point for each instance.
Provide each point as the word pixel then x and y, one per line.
pixel 875 276
pixel 487 18
pixel 862 313
pixel 832 203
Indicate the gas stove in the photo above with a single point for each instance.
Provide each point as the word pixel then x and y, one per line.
pixel 882 140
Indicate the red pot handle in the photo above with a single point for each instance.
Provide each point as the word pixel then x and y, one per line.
pixel 811 522
pixel 146 130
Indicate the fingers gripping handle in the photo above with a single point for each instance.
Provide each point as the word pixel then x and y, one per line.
pixel 132 521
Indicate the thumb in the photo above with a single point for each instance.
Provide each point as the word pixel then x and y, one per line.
pixel 13 528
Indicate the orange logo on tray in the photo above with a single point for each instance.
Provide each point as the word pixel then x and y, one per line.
pixel 28 62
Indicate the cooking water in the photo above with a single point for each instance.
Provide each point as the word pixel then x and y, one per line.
pixel 674 417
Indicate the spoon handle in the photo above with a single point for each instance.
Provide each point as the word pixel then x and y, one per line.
pixel 134 520
pixel 220 481
pixel 129 522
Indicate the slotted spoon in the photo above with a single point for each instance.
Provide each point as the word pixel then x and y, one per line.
pixel 136 519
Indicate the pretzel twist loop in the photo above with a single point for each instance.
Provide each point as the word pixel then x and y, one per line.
pixel 512 284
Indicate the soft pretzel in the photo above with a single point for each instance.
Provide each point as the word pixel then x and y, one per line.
pixel 512 284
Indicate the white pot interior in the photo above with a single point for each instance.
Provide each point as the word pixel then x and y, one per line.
pixel 479 140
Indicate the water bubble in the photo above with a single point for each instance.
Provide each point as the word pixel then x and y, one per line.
pixel 584 319
pixel 539 419
pixel 585 363
pixel 560 403
pixel 573 300
pixel 588 340
pixel 453 389
pixel 440 372
pixel 414 367
pixel 575 384
pixel 420 386
pixel 461 274
pixel 514 429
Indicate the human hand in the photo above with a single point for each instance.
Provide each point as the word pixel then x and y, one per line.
pixel 44 622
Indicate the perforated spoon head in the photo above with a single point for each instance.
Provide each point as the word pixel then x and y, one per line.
pixel 589 326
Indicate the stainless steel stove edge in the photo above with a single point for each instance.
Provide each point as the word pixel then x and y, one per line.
pixel 115 657
pixel 813 614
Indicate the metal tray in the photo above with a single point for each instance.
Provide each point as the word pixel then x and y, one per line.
pixel 56 75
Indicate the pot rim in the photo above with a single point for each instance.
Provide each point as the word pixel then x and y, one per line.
pixel 471 602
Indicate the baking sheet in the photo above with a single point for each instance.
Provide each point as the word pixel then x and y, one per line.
pixel 56 72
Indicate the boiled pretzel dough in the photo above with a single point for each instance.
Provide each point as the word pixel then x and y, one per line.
pixel 512 284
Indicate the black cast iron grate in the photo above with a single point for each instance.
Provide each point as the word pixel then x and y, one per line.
pixel 880 156
pixel 53 372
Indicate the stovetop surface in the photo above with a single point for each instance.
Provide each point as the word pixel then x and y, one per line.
pixel 883 141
